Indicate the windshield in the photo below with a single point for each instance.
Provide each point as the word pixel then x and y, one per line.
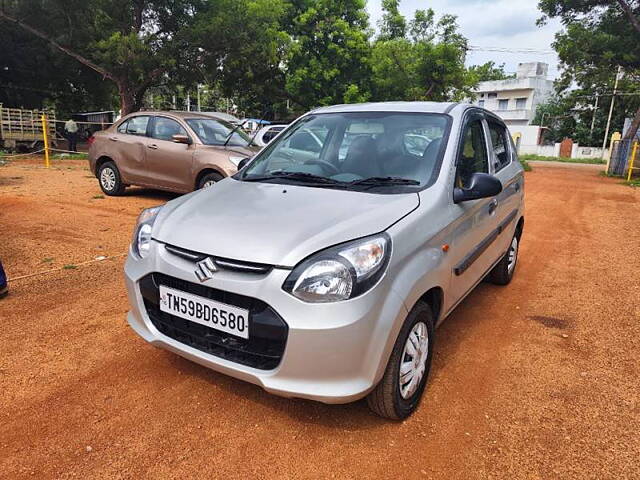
pixel 212 131
pixel 374 150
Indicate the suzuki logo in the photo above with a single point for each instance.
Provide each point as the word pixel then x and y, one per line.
pixel 206 269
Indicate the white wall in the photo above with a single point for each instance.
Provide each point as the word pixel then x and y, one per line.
pixel 554 151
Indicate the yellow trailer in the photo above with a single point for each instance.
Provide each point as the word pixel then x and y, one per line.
pixel 22 129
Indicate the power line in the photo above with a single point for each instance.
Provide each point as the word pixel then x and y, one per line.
pixel 475 48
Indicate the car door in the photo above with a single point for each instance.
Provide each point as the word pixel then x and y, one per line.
pixel 169 164
pixel 473 247
pixel 128 148
pixel 506 168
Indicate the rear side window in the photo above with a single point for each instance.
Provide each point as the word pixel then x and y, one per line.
pixel 473 154
pixel 500 146
pixel 137 125
pixel 165 128
pixel 271 134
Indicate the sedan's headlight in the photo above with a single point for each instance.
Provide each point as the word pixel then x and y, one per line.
pixel 142 234
pixel 341 272
pixel 236 160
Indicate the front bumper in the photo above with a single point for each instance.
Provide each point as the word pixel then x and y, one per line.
pixel 334 353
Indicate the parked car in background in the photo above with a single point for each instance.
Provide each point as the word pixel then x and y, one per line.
pixel 323 273
pixel 268 133
pixel 175 151
pixel 4 288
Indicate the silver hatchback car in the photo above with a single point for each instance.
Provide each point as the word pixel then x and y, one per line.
pixel 323 267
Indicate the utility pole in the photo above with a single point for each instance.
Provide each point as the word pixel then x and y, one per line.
pixel 593 121
pixel 613 101
pixel 188 102
pixel 198 90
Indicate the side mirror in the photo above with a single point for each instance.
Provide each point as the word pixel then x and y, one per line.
pixel 482 185
pixel 243 163
pixel 181 139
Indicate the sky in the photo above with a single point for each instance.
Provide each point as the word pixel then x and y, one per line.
pixel 503 24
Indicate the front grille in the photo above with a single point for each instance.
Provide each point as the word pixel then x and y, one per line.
pixel 267 330
pixel 222 263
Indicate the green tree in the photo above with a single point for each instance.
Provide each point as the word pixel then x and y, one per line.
pixel 35 76
pixel 392 24
pixel 247 64
pixel 134 43
pixel 327 59
pixel 489 72
pixel 598 36
pixel 425 63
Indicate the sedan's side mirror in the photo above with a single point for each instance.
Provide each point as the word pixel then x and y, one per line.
pixel 243 163
pixel 181 139
pixel 482 185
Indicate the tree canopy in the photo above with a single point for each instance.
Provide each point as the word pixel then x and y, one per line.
pixel 423 59
pixel 266 54
pixel 489 72
pixel 598 36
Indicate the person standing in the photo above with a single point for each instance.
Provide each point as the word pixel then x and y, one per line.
pixel 4 289
pixel 71 131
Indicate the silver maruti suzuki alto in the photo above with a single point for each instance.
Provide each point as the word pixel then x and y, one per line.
pixel 322 268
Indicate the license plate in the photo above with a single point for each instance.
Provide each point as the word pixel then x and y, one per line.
pixel 216 315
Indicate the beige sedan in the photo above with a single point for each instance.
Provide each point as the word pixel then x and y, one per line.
pixel 174 151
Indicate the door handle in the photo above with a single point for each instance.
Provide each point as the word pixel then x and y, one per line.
pixel 493 206
pixel 152 146
pixel 113 139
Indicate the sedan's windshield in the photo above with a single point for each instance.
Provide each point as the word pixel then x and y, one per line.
pixel 212 131
pixel 387 151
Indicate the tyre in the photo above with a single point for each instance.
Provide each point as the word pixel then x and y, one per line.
pixel 503 272
pixel 110 180
pixel 399 392
pixel 209 179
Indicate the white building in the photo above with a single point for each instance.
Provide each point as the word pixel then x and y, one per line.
pixel 515 100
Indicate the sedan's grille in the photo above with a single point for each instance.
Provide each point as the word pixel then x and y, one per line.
pixel 222 263
pixel 267 330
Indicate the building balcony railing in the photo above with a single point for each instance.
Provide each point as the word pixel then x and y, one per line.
pixel 516 114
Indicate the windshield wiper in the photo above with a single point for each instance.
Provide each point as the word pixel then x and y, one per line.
pixel 235 129
pixel 296 176
pixel 384 182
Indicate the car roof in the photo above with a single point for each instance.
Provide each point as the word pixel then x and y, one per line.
pixel 409 107
pixel 177 114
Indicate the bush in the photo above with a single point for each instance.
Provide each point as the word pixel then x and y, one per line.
pixel 539 158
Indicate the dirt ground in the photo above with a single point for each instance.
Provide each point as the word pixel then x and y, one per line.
pixel 538 380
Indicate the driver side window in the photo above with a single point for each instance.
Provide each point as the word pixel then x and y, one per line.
pixel 472 157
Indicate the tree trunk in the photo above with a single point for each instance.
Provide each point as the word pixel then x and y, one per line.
pixel 635 125
pixel 128 102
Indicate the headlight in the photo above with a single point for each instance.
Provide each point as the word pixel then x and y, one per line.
pixel 236 160
pixel 341 272
pixel 142 233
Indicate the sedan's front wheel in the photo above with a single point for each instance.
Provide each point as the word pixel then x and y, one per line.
pixel 400 390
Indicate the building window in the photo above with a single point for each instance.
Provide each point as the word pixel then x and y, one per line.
pixel 492 95
pixel 521 103
pixel 503 104
pixel 481 103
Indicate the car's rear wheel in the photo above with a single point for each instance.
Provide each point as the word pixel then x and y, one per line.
pixel 110 180
pixel 503 272
pixel 209 180
pixel 399 392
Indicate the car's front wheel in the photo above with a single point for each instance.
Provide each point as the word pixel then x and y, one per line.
pixel 209 180
pixel 399 392
pixel 110 180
